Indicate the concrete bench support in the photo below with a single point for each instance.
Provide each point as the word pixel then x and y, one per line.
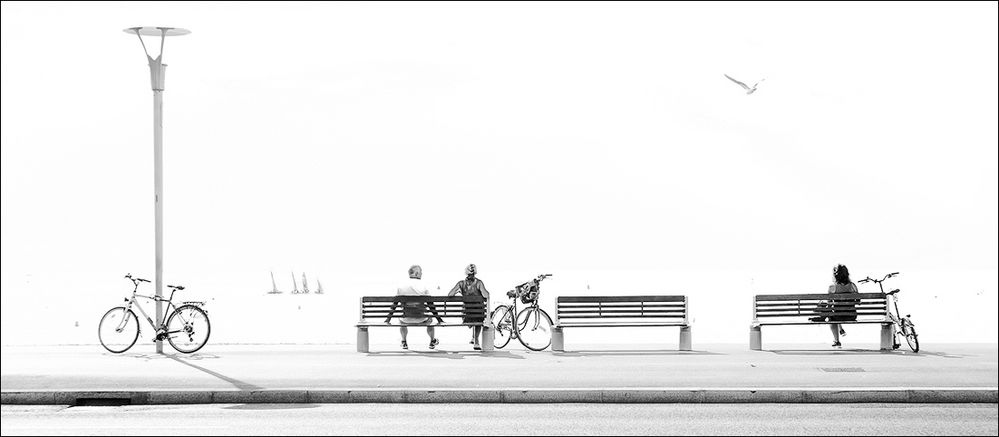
pixel 362 339
pixel 558 340
pixel 685 343
pixel 755 338
pixel 488 333
pixel 887 336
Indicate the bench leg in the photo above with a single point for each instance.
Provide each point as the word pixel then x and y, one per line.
pixel 558 340
pixel 887 336
pixel 362 340
pixel 685 338
pixel 487 338
pixel 755 338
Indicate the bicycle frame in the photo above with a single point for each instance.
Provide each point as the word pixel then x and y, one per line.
pixel 897 317
pixel 133 301
pixel 513 316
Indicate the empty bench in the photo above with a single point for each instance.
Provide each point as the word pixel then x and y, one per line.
pixel 796 309
pixel 620 312
pixel 375 309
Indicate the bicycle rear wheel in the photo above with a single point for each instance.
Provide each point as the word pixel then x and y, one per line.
pixel 909 330
pixel 118 330
pixel 502 320
pixel 188 328
pixel 534 328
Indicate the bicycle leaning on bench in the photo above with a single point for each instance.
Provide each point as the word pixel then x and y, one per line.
pixel 903 325
pixel 533 325
pixel 186 328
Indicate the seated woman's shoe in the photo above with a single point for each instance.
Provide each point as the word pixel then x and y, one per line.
pixel 837 344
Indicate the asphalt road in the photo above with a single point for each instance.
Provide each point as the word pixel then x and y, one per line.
pixel 491 419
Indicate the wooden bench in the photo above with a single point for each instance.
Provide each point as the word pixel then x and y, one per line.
pixel 375 309
pixel 620 311
pixel 796 309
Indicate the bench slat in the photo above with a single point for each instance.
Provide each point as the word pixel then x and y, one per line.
pixel 438 311
pixel 411 299
pixel 617 311
pixel 616 325
pixel 871 313
pixel 602 299
pixel 852 322
pixel 588 306
pixel 387 325
pixel 663 316
pixel 780 297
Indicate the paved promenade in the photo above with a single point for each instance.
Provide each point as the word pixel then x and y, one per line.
pixel 243 373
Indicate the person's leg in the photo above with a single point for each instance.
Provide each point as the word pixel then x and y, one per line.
pixel 475 334
pixel 433 338
pixel 834 327
pixel 404 331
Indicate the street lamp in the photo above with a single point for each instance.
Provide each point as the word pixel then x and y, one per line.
pixel 157 72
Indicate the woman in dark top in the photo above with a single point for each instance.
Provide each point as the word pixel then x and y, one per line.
pixel 843 309
pixel 472 286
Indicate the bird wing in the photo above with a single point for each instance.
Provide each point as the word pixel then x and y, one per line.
pixel 740 83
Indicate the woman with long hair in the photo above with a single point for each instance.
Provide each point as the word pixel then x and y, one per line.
pixel 843 309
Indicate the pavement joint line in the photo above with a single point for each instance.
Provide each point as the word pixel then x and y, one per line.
pixel 476 389
pixel 509 395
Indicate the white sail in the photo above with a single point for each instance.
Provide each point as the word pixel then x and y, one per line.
pixel 274 289
pixel 319 290
pixel 305 284
pixel 294 284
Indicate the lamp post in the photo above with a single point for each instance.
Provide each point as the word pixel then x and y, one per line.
pixel 157 72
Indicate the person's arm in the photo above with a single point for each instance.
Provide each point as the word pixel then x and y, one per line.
pixel 454 291
pixel 392 310
pixel 433 309
pixel 485 295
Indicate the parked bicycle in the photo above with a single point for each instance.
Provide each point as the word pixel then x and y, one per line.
pixel 533 325
pixel 186 328
pixel 903 325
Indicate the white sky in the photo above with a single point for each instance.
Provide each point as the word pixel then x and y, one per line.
pixel 352 140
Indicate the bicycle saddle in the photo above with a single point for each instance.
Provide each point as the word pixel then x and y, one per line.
pixel 176 287
pixel 892 292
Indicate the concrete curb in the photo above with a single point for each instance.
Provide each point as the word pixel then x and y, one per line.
pixel 986 395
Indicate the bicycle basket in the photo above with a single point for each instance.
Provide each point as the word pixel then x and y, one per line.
pixel 529 296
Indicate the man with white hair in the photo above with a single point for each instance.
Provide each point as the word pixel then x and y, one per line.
pixel 414 313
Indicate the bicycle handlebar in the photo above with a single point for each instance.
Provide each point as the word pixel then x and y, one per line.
pixel 878 281
pixel 135 280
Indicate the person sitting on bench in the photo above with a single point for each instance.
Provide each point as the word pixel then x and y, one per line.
pixel 413 313
pixel 841 310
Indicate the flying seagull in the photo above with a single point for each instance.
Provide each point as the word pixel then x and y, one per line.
pixel 748 89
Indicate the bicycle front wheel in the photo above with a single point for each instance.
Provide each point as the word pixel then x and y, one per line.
pixel 909 330
pixel 118 330
pixel 534 328
pixel 188 328
pixel 502 319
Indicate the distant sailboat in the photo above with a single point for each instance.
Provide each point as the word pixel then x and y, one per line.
pixel 274 289
pixel 294 284
pixel 305 284
pixel 320 289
